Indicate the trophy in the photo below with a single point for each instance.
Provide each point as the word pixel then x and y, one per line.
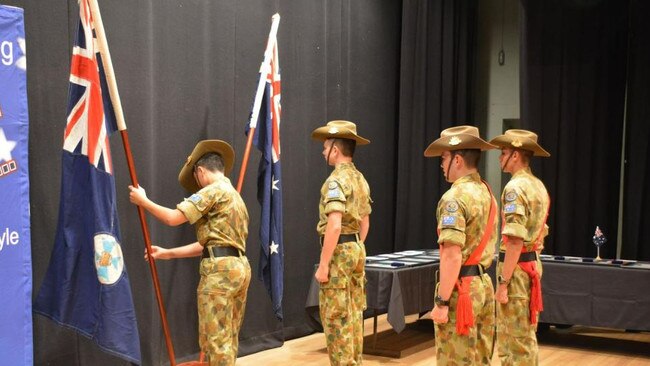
pixel 599 240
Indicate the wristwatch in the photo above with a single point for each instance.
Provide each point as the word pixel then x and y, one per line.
pixel 440 302
pixel 502 280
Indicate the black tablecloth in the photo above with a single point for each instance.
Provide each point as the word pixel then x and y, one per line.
pixel 596 295
pixel 576 293
pixel 398 292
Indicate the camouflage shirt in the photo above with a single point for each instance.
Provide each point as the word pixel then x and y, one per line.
pixel 219 215
pixel 345 191
pixel 525 203
pixel 463 213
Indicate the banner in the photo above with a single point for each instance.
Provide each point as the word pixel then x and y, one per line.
pixel 16 347
pixel 269 184
pixel 86 287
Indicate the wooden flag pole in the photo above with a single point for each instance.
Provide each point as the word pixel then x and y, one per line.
pixel 119 115
pixel 252 121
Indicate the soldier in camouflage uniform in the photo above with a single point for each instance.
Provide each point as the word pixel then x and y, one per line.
pixel 344 220
pixel 221 221
pixel 467 232
pixel 525 205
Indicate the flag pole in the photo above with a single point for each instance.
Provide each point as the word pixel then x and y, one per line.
pixel 121 125
pixel 252 121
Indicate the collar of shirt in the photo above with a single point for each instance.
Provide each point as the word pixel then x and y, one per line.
pixel 472 177
pixel 343 166
pixel 523 171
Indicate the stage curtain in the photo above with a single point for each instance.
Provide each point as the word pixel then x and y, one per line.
pixel 573 70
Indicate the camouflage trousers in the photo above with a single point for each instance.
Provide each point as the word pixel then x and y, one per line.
pixel 221 300
pixel 477 347
pixel 516 338
pixel 341 303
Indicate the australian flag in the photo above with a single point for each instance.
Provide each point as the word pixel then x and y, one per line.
pixel 269 185
pixel 86 287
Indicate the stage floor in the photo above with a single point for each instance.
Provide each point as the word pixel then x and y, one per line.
pixel 566 347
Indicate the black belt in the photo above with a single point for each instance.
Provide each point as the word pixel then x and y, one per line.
pixel 523 257
pixel 220 251
pixel 470 271
pixel 344 238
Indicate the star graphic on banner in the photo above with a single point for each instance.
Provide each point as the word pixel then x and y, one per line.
pixel 5 146
pixel 275 184
pixel 21 62
pixel 274 248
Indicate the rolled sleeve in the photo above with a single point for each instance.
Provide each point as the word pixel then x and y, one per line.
pixel 190 211
pixel 452 236
pixel 514 213
pixel 334 206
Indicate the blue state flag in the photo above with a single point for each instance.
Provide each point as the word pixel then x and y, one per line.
pixel 86 287
pixel 269 186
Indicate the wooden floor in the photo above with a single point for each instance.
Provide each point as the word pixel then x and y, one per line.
pixel 565 347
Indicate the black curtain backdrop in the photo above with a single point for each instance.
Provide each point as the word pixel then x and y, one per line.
pixel 403 70
pixel 186 71
pixel 573 69
pixel 437 73
pixel 636 217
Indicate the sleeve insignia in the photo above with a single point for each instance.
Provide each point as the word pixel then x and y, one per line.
pixel 452 206
pixel 448 220
pixel 454 141
pixel 195 198
pixel 333 190
pixel 510 208
pixel 511 196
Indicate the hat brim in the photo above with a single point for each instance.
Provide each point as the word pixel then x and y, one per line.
pixel 186 175
pixel 322 134
pixel 467 141
pixel 505 141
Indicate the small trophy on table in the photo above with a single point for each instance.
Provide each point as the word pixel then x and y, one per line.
pixel 599 240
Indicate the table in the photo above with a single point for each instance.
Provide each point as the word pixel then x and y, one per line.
pixel 397 292
pixel 596 295
pixel 574 293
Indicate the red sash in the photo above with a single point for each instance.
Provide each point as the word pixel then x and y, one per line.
pixel 464 312
pixel 536 305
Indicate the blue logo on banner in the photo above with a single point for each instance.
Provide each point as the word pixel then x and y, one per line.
pixel 16 336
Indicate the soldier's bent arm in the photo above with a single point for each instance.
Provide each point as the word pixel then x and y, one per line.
pixel 190 250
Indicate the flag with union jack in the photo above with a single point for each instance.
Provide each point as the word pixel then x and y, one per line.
pixel 269 184
pixel 86 286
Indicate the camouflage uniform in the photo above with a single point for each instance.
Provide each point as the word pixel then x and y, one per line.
pixel 525 203
pixel 462 215
pixel 221 219
pixel 342 299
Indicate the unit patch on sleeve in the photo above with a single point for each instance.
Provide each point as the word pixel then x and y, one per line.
pixel 511 196
pixel 448 220
pixel 452 206
pixel 195 198
pixel 333 190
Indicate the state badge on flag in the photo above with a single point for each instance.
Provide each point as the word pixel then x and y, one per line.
pixel 109 261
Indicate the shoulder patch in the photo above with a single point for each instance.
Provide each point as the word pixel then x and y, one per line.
pixel 511 196
pixel 452 206
pixel 448 220
pixel 195 198
pixel 333 190
pixel 510 208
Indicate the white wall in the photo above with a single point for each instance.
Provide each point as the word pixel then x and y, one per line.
pixel 497 88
